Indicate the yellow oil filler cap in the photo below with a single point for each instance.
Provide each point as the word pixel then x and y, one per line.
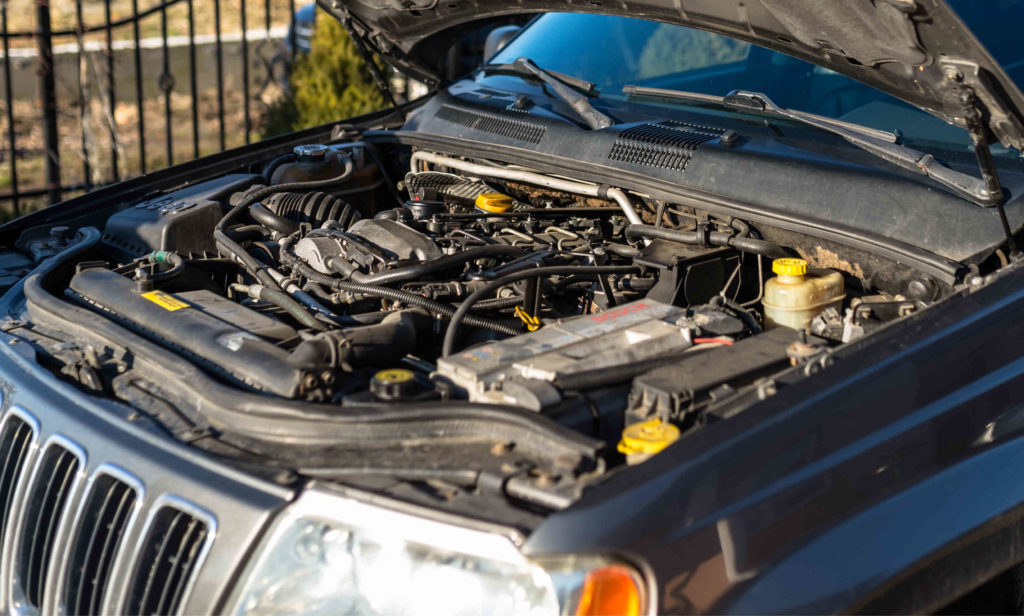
pixel 494 202
pixel 642 440
pixel 789 267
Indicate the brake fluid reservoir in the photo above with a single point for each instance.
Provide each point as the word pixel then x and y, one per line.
pixel 797 294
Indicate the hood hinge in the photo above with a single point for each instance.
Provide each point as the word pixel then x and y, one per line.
pixel 982 150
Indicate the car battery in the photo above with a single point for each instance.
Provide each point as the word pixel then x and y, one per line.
pixel 524 370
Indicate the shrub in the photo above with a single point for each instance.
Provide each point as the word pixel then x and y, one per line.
pixel 329 83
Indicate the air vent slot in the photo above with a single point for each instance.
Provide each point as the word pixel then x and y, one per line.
pixel 171 554
pixel 495 123
pixel 46 504
pixel 101 529
pixel 15 442
pixel 668 144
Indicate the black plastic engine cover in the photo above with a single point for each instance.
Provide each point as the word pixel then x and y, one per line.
pixel 181 221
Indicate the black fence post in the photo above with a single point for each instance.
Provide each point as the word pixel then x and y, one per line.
pixel 48 100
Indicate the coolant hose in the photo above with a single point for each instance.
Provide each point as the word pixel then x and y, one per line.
pixel 162 256
pixel 437 265
pixel 262 214
pixel 714 238
pixel 285 302
pixel 462 314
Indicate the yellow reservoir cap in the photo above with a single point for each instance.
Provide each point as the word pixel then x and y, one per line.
pixel 789 267
pixel 647 437
pixel 494 202
pixel 395 375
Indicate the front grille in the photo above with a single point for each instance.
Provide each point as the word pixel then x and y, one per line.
pixel 100 549
pixel 169 557
pixel 54 482
pixel 100 531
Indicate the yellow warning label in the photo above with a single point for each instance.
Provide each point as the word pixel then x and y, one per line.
pixel 165 300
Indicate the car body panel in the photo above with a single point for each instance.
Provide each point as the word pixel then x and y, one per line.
pixel 823 497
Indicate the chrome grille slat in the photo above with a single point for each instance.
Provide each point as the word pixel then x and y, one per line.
pixel 15 440
pixel 99 531
pixel 172 584
pixel 169 558
pixel 47 501
pixel 151 577
pixel 110 545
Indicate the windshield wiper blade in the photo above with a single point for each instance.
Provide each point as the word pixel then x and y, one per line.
pixel 963 184
pixel 744 105
pixel 882 144
pixel 562 86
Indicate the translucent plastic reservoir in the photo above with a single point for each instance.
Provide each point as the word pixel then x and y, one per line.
pixel 797 294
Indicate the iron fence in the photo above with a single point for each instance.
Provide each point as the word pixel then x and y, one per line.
pixel 95 91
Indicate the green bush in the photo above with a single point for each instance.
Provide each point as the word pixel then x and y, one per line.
pixel 329 83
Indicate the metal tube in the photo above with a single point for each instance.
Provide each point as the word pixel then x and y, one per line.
pixel 530 177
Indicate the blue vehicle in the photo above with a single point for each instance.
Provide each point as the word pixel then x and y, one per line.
pixel 664 307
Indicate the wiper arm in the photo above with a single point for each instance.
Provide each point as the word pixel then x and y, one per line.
pixel 880 143
pixel 562 86
pixel 587 87
pixel 725 101
pixel 965 185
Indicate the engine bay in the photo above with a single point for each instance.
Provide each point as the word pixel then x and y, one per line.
pixel 470 289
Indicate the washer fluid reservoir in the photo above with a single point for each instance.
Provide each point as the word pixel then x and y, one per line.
pixel 797 294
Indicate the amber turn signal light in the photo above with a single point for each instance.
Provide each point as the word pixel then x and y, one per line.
pixel 612 590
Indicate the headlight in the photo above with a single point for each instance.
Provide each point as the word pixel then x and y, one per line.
pixel 332 554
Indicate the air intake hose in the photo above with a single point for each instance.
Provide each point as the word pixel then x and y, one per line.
pixel 282 212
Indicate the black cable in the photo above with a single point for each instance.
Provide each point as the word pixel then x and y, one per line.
pixel 405 297
pixel 245 233
pixel 498 303
pixel 258 270
pixel 741 312
pixel 285 302
pixel 392 188
pixel 437 265
pixel 714 238
pixel 568 270
pixel 268 169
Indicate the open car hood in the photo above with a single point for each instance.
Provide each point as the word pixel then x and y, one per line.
pixel 916 50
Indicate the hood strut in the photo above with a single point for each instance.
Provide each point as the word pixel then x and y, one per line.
pixel 982 150
pixel 371 65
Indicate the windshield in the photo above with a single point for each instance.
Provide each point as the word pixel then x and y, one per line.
pixel 617 51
